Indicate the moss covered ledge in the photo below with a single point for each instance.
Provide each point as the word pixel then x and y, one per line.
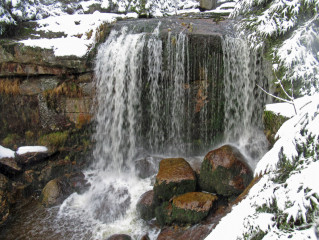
pixel 272 122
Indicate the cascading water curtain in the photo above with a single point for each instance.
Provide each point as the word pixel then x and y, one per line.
pixel 118 80
pixel 243 69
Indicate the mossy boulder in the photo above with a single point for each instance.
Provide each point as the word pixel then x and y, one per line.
pixel 224 171
pixel 145 206
pixel 175 177
pixel 189 208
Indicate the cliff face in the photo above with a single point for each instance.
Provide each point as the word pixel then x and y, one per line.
pixel 44 100
pixel 40 92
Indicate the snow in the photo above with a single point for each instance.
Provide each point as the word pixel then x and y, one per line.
pixel 293 200
pixel 6 152
pixel 287 109
pixel 32 149
pixel 289 131
pixel 80 30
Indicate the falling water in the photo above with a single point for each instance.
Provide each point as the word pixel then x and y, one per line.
pixel 243 69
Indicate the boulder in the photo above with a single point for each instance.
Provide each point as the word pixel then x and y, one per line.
pixel 175 177
pixel 224 171
pixel 4 204
pixel 189 208
pixel 145 206
pixel 52 193
pixel 58 189
pixel 119 237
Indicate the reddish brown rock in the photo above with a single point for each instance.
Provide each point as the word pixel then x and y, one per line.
pixel 175 177
pixel 189 208
pixel 224 171
pixel 195 201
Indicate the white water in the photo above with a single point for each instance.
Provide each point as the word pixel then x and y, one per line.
pixel 243 69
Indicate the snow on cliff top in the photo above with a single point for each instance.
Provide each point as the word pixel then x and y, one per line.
pixel 80 30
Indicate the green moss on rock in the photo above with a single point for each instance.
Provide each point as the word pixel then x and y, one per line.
pixel 272 123
pixel 189 208
pixel 225 172
pixel 54 140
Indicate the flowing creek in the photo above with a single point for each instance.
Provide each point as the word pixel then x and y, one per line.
pixel 159 93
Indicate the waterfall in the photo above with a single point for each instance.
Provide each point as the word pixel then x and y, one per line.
pixel 162 94
pixel 118 74
pixel 243 69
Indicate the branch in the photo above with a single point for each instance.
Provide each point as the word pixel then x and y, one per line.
pixel 279 98
pixel 291 98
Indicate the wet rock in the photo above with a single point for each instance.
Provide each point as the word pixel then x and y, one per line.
pixel 9 166
pixel 175 177
pixel 4 204
pixel 224 171
pixel 145 206
pixel 56 190
pixel 78 182
pixel 192 207
pixel 55 169
pixel 119 237
pixel 147 167
pixel 189 208
pixel 52 193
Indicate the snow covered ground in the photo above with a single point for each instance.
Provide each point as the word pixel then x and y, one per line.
pixel 284 203
pixel 79 30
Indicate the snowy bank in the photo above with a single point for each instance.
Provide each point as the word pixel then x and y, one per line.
pixel 284 203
